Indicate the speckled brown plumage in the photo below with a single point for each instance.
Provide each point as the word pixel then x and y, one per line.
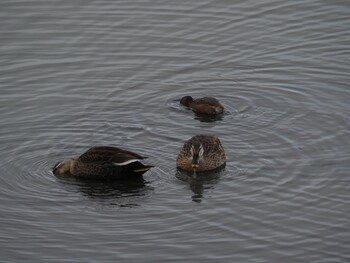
pixel 103 162
pixel 213 154
pixel 205 105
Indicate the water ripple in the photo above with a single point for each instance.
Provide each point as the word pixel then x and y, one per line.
pixel 76 75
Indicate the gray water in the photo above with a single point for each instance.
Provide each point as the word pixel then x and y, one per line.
pixel 76 74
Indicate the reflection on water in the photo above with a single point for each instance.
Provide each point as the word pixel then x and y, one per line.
pixel 114 192
pixel 200 182
pixel 208 118
pixel 112 72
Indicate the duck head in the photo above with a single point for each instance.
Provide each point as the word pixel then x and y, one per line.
pixel 197 152
pixel 186 101
pixel 63 167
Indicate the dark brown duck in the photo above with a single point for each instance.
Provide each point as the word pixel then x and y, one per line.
pixel 205 105
pixel 103 162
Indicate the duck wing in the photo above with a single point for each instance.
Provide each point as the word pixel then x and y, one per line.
pixel 123 158
pixel 103 154
pixel 207 100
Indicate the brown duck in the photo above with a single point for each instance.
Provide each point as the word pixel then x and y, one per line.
pixel 205 105
pixel 201 153
pixel 103 162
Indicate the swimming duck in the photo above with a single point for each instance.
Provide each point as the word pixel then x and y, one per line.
pixel 205 105
pixel 201 153
pixel 103 162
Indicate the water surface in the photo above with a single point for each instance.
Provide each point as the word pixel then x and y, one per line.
pixel 84 73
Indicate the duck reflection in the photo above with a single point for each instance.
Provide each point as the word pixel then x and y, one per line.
pixel 113 189
pixel 199 183
pixel 208 118
pixel 110 191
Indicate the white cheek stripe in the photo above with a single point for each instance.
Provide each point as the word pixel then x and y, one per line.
pixel 127 162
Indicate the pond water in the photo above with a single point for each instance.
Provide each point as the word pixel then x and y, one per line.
pixel 76 74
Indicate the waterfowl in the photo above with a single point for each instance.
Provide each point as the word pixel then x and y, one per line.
pixel 205 105
pixel 201 153
pixel 103 162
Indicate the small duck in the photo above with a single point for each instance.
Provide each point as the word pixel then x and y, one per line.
pixel 205 105
pixel 103 162
pixel 201 153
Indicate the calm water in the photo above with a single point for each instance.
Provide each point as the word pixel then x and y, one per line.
pixel 75 74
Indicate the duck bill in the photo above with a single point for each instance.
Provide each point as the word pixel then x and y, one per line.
pixel 195 164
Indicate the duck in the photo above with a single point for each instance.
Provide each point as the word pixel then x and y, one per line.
pixel 103 162
pixel 205 105
pixel 201 153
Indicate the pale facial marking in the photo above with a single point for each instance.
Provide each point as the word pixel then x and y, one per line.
pixel 192 150
pixel 58 165
pixel 201 151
